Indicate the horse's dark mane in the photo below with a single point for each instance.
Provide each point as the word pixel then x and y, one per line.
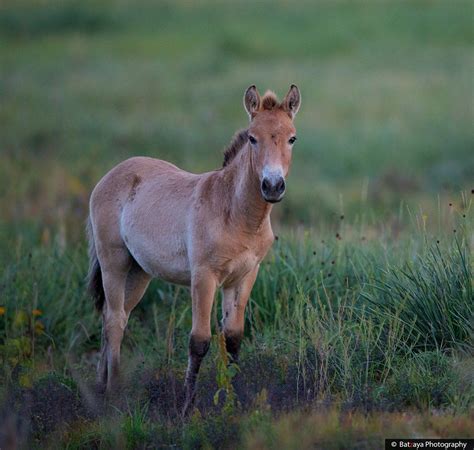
pixel 238 141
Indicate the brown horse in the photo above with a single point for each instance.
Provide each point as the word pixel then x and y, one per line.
pixel 149 218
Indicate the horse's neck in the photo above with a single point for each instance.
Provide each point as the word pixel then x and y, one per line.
pixel 248 209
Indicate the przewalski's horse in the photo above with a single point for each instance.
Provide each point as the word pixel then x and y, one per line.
pixel 149 218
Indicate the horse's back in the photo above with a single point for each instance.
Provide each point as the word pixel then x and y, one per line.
pixel 121 184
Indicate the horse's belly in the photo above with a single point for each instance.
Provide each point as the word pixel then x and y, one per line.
pixel 162 257
pixel 173 274
pixel 173 268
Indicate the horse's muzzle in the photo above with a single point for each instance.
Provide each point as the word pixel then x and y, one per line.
pixel 273 189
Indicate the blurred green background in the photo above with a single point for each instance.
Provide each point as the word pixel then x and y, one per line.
pixel 386 117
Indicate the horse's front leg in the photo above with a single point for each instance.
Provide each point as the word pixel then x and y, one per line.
pixel 233 312
pixel 203 290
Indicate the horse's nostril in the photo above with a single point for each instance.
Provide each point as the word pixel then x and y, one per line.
pixel 280 186
pixel 265 185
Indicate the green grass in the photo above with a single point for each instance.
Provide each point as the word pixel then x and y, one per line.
pixel 345 323
pixel 360 324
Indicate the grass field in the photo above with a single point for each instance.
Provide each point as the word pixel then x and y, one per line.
pixel 360 325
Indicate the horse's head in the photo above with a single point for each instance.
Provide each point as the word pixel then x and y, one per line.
pixel 271 135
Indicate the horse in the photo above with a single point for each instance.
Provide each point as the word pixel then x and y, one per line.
pixel 210 231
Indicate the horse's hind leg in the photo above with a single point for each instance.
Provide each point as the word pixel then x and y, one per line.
pixel 116 312
pixel 115 266
pixel 136 285
pixel 102 366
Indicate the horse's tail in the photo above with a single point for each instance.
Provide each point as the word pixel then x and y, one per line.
pixel 94 277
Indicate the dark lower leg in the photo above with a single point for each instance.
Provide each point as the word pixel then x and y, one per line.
pixel 232 342
pixel 198 348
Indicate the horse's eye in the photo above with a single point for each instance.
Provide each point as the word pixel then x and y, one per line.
pixel 292 140
pixel 252 140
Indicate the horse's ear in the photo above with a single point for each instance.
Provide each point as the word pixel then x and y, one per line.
pixel 292 101
pixel 251 101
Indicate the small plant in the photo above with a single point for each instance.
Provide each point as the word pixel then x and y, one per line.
pixel 225 372
pixel 135 427
pixel 18 347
